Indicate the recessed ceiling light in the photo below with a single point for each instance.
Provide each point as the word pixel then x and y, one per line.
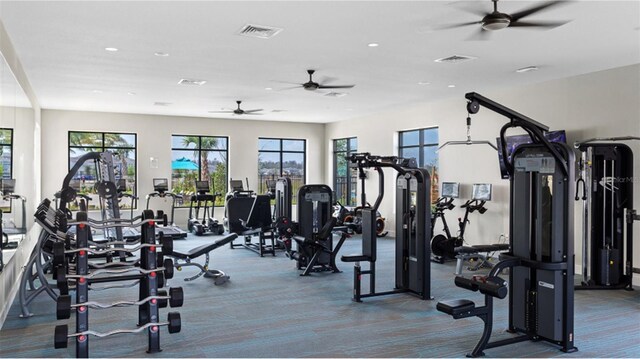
pixel 424 83
pixel 162 103
pixel 451 86
pixel 161 54
pixel 268 88
pixel 111 49
pixel 131 93
pixel 527 69
pixel 97 91
pixel 373 44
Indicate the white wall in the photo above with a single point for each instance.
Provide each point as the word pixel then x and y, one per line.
pixel 154 140
pixel 601 104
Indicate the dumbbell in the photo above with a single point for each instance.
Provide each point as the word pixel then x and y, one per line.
pixel 63 307
pixel 168 268
pixel 58 254
pixel 176 297
pixel 175 324
pixel 167 246
pixel 61 280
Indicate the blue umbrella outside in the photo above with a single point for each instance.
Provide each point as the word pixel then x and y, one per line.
pixel 184 164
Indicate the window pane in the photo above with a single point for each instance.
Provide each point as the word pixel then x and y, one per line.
pixel 411 152
pixel 353 144
pixel 293 145
pixel 86 139
pixel 212 143
pixel 216 170
pixel 184 141
pixel 219 143
pixel 268 145
pixel 5 162
pixel 293 167
pixel 410 138
pixel 124 164
pixel 430 135
pixel 341 179
pixel 340 145
pixel 119 140
pixel 430 157
pixel 184 172
pixel 5 136
pixel 86 177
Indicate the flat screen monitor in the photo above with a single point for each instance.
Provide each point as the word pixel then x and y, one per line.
pixel 450 189
pixel 514 141
pixel 202 186
pixel 481 191
pixel 160 184
pixel 236 185
pixel 8 185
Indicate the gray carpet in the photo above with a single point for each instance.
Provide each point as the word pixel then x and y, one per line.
pixel 268 310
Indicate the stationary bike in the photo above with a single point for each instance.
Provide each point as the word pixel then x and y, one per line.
pixel 443 246
pixel 208 224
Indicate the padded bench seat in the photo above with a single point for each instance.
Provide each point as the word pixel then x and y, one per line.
pixel 456 307
pixel 198 251
pixel 481 248
pixel 356 258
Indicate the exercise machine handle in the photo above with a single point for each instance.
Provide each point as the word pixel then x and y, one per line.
pixel 492 286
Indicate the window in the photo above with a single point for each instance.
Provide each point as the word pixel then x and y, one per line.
pixel 422 145
pixel 345 179
pixel 6 162
pixel 281 157
pixel 121 145
pixel 6 153
pixel 199 158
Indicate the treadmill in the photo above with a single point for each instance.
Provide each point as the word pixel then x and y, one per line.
pixel 161 190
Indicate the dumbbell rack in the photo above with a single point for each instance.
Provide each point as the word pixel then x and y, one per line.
pixel 149 275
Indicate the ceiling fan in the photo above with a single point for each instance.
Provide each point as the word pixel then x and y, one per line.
pixel 312 86
pixel 239 111
pixel 497 20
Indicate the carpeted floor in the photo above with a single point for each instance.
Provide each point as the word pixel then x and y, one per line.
pixel 268 310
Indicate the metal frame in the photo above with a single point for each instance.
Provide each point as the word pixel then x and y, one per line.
pixel 346 154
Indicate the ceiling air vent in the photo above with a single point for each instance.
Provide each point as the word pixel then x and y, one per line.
pixel 455 59
pixel 192 82
pixel 259 31
pixel 336 94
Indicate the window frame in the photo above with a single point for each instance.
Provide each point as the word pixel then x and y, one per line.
pixel 103 148
pixel 421 144
pixel 348 151
pixel 281 151
pixel 10 146
pixel 185 203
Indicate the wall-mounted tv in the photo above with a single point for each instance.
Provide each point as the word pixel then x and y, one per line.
pixel 514 141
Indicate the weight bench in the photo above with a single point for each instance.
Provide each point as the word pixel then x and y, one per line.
pixel 219 276
pixel 259 224
pixel 464 253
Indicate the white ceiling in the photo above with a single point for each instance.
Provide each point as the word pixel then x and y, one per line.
pixel 61 45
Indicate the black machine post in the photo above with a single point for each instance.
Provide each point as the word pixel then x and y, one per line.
pixel 413 228
pixel 540 258
pixel 605 187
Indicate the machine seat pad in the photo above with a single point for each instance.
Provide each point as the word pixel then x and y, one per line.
pixel 252 232
pixel 206 248
pixel 456 306
pixel 356 258
pixel 482 248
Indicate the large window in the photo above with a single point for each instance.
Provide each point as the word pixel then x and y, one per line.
pixel 121 145
pixel 201 158
pixel 281 157
pixel 422 145
pixel 6 161
pixel 345 178
pixel 6 153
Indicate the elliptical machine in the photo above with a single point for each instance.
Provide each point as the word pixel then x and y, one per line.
pixel 443 246
pixel 208 224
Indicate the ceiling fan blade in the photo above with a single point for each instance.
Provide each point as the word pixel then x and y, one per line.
pixel 326 80
pixel 336 87
pixel 480 35
pixel 539 24
pixel 220 111
pixel 532 10
pixel 289 88
pixel 250 113
pixel 256 110
pixel 454 26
